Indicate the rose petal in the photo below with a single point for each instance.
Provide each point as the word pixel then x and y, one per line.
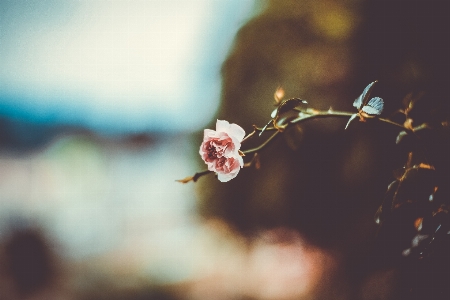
pixel 222 125
pixel 208 133
pixel 236 131
pixel 233 130
pixel 241 161
pixel 225 177
pixel 220 150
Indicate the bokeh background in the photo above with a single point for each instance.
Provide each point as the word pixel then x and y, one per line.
pixel 102 107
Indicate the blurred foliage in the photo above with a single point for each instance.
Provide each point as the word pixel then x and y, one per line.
pixel 330 185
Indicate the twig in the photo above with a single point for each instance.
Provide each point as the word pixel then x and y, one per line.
pixel 262 145
pixel 195 177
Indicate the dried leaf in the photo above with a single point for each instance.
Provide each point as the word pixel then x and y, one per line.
pixel 278 95
pixel 282 116
pixel 410 99
pixel 254 162
pixel 265 126
pixel 288 105
pixel 373 107
pixel 425 166
pixel 363 99
pixel 421 127
pixel 186 179
pixel 195 177
pixel 418 223
pixel 352 118
pixel 400 137
pixel 257 162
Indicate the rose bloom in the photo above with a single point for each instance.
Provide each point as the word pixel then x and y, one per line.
pixel 220 150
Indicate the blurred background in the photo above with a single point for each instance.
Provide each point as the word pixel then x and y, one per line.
pixel 102 108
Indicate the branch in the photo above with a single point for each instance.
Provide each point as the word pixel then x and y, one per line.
pixel 262 145
pixel 257 129
pixel 340 114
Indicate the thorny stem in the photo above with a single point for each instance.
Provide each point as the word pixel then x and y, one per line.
pixel 321 114
pixel 326 114
pixel 310 114
pixel 396 124
pixel 341 114
pixel 315 114
pixel 256 129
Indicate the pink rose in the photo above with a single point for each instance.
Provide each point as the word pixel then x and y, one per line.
pixel 220 150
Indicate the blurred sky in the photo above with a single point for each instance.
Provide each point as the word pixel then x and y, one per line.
pixel 116 66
